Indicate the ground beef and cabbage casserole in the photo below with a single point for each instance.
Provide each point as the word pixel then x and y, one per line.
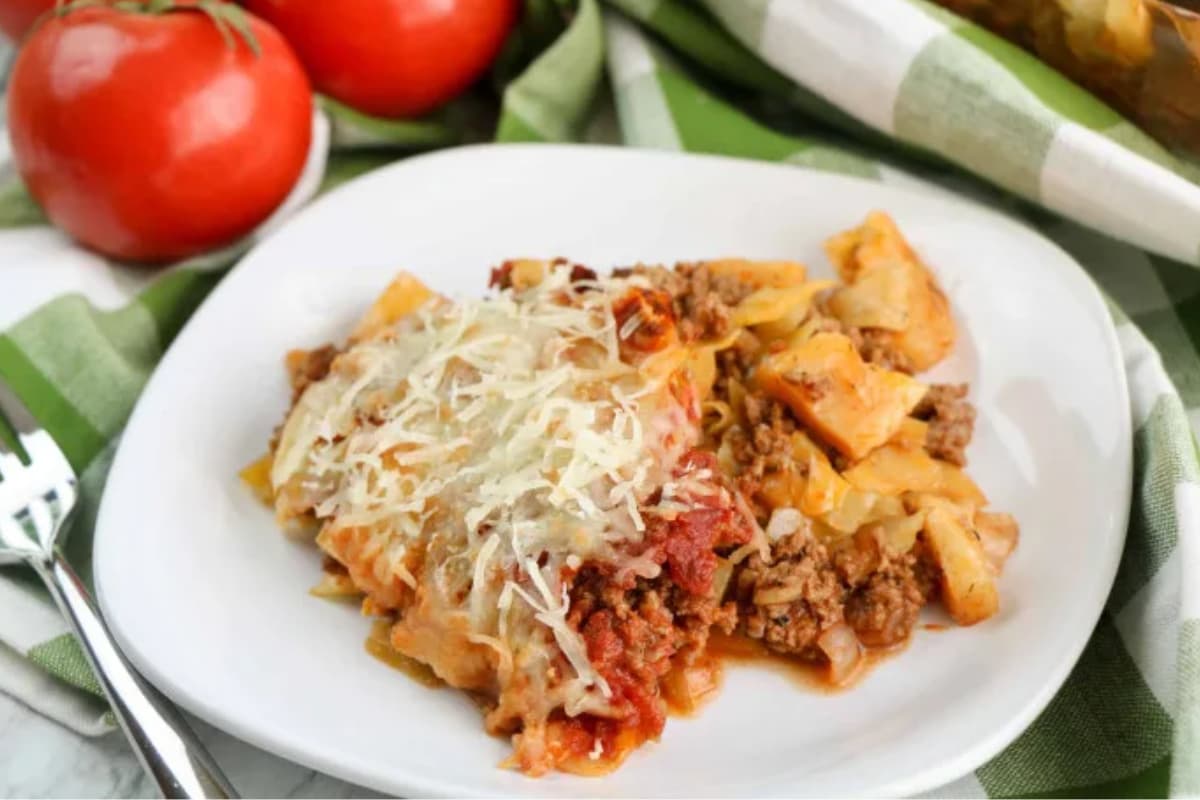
pixel 559 497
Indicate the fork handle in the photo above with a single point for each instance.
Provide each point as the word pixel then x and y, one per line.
pixel 169 751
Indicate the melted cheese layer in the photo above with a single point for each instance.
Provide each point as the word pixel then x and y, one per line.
pixel 466 461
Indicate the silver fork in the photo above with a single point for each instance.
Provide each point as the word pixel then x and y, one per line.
pixel 37 496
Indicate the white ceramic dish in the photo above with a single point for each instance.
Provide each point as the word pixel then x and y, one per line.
pixel 210 601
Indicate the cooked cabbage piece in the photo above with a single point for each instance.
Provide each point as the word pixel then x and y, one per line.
pixel 894 470
pixel 404 295
pixel 889 291
pixel 967 583
pixel 759 274
pixel 853 405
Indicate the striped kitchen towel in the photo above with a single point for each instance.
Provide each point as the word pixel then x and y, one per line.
pixel 897 91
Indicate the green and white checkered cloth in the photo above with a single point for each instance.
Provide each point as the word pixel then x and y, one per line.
pixel 897 91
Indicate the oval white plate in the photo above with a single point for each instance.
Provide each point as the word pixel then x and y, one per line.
pixel 210 600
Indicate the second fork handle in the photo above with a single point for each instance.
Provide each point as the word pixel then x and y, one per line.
pixel 169 751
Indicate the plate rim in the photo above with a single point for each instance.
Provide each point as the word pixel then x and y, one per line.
pixel 948 770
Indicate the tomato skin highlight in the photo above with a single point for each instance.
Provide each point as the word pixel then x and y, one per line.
pixel 392 58
pixel 150 137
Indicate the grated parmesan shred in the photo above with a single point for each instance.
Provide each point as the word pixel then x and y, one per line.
pixel 511 429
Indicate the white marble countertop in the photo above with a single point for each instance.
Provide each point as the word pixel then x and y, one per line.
pixel 43 759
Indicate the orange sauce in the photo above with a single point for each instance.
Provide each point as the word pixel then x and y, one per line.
pixel 693 691
pixel 379 645
pixel 687 692
pixel 743 651
pixel 586 768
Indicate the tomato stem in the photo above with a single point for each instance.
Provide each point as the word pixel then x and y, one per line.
pixel 229 17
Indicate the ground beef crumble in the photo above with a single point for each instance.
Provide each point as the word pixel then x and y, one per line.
pixel 808 587
pixel 637 633
pixel 654 617
pixel 951 421
pixel 884 608
pixel 762 449
pixel 306 367
pixel 805 586
pixel 764 446
pixel 702 301
pixel 875 347
pixel 788 602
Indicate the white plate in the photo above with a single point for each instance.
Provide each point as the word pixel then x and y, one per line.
pixel 210 602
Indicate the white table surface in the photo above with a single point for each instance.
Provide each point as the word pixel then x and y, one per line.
pixel 43 759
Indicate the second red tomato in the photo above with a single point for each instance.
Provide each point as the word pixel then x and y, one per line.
pixel 17 16
pixel 392 58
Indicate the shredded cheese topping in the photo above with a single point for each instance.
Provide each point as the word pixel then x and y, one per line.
pixel 508 435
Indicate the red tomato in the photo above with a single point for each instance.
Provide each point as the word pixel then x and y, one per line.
pixel 151 137
pixel 392 58
pixel 17 15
